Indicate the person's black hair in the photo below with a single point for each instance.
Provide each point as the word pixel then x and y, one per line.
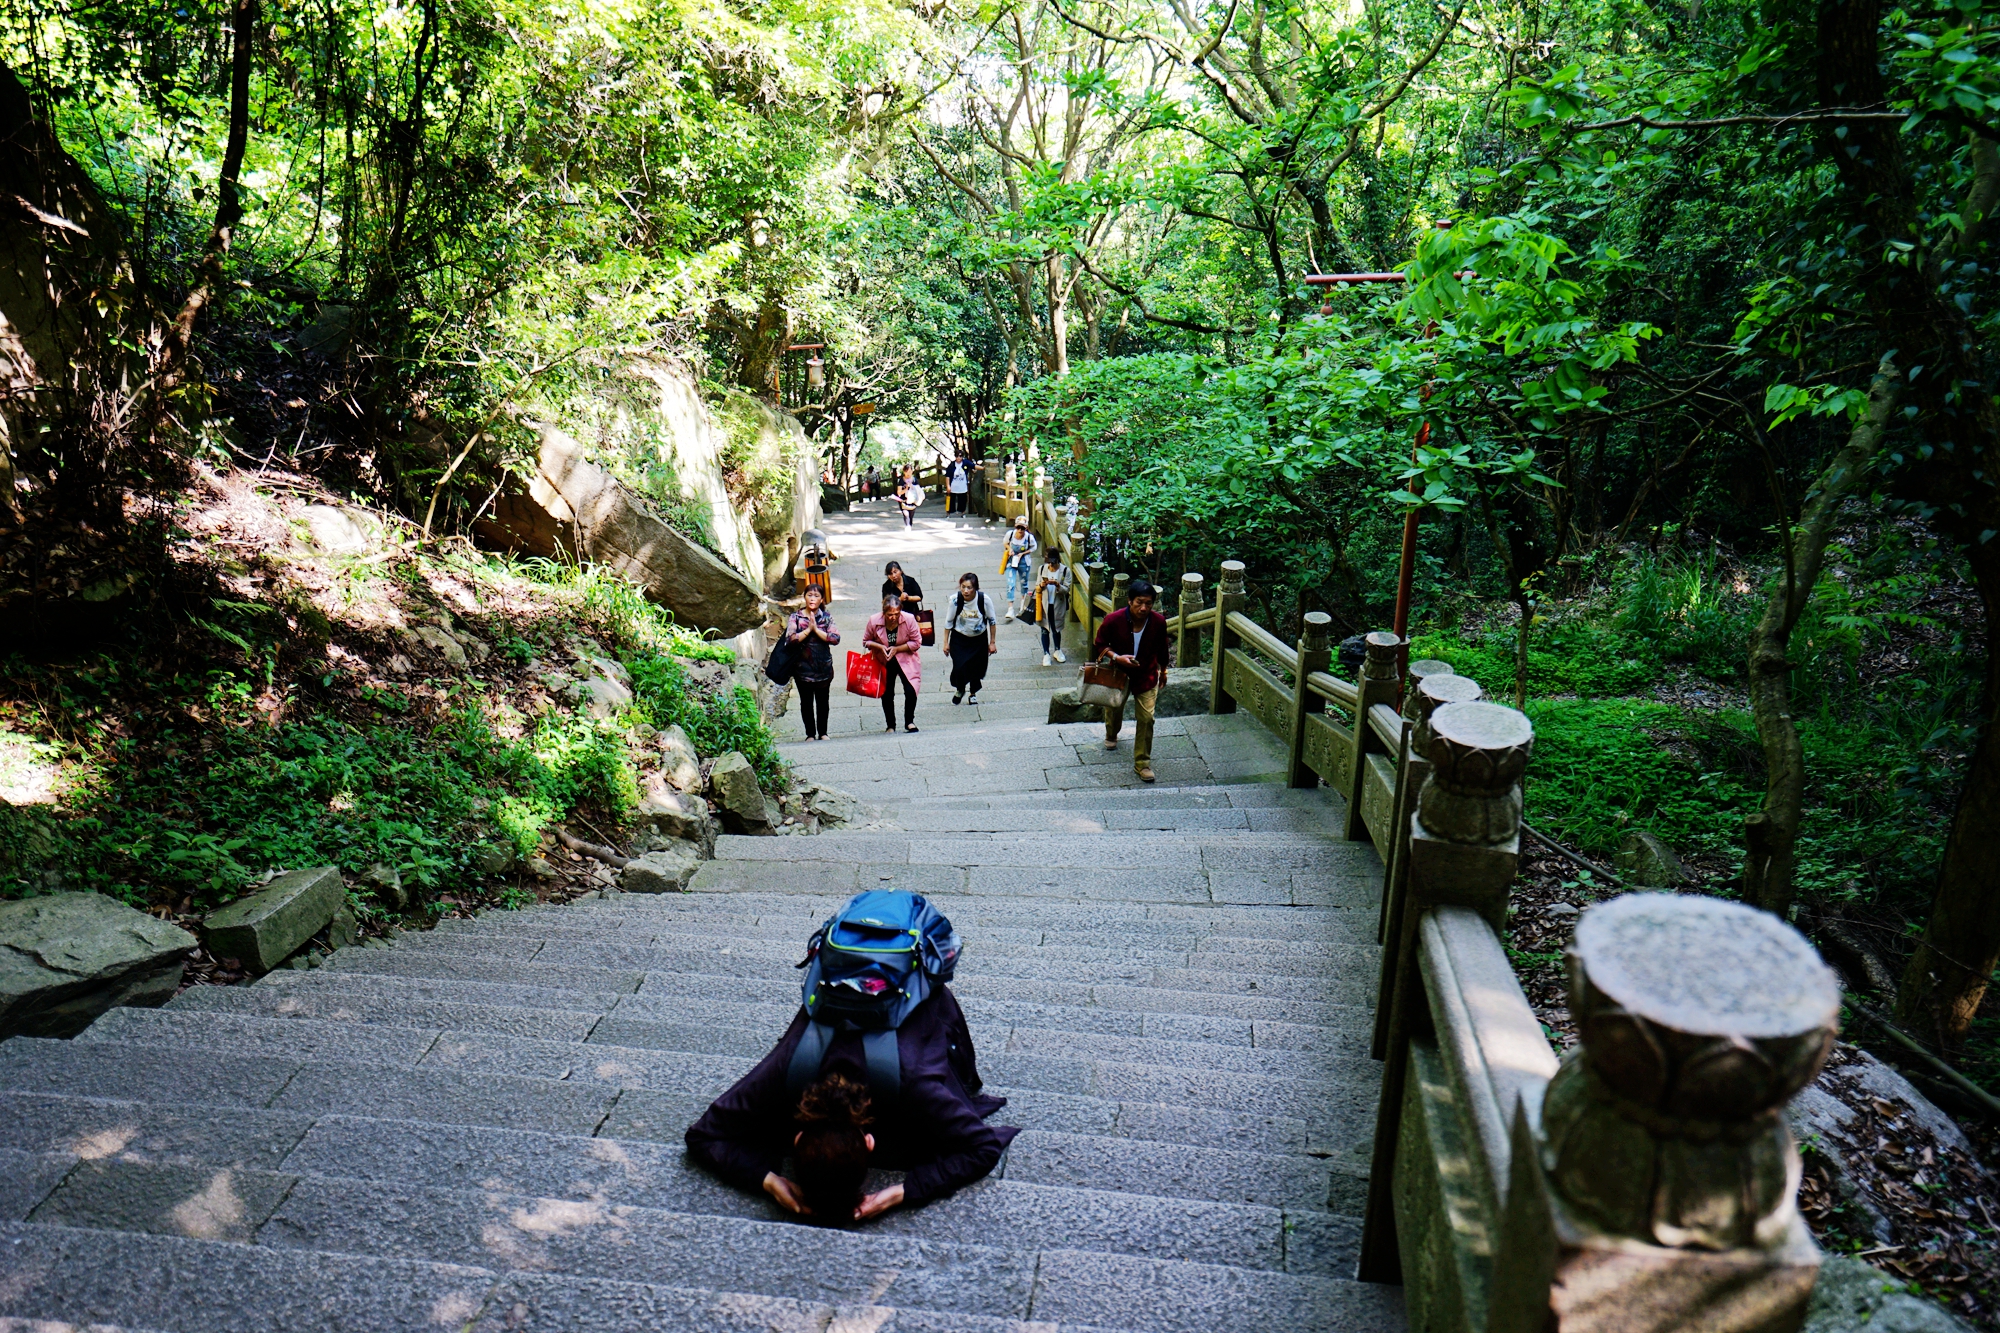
pixel 1140 588
pixel 892 568
pixel 1050 555
pixel 969 575
pixel 830 1160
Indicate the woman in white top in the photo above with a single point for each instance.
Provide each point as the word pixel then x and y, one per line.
pixel 974 638
pixel 911 498
pixel 1052 598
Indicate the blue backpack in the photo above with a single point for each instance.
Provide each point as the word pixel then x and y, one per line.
pixel 867 969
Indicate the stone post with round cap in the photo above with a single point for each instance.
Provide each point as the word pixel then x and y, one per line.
pixel 1663 1194
pixel 1230 597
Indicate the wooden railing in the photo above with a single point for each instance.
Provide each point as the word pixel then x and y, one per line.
pixel 1644 1183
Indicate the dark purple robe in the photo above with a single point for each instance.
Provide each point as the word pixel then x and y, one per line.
pixel 935 1132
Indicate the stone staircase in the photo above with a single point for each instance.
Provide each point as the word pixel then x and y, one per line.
pixel 480 1126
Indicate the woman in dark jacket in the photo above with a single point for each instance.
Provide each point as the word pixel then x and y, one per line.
pixel 934 1130
pixel 901 586
pixel 813 635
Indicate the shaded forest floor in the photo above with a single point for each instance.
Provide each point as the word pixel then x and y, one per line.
pixel 302 681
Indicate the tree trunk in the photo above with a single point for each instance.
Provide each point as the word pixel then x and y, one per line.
pixel 1948 975
pixel 761 346
pixel 1772 833
pixel 172 367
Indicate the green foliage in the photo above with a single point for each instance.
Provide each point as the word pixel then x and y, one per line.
pixel 219 794
pixel 730 720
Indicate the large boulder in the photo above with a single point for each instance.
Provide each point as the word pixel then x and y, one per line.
pixel 679 764
pixel 572 498
pixel 1649 862
pixel 67 957
pixel 1853 1296
pixel 830 805
pixel 743 805
pixel 675 814
pixel 666 870
pixel 262 929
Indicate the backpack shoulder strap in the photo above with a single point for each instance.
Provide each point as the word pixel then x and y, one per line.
pixel 808 1056
pixel 885 1062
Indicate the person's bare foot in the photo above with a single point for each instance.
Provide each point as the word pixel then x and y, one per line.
pixel 1111 745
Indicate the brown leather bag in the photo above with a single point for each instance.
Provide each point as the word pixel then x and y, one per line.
pixel 928 624
pixel 1100 683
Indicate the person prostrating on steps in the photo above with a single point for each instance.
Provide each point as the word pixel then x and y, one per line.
pixel 974 638
pixel 877 1069
pixel 897 641
pixel 1134 638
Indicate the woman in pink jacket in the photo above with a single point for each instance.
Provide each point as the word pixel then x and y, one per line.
pixel 897 641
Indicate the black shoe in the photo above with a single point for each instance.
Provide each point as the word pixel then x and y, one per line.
pixel 911 727
pixel 958 698
pixel 974 701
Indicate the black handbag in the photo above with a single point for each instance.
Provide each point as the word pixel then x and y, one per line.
pixel 783 662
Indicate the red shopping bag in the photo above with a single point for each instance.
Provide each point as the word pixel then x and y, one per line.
pixel 865 675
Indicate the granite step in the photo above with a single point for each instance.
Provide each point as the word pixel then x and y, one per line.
pixel 599 966
pixel 653 919
pixel 87 1276
pixel 390 965
pixel 1168 1038
pixel 738 956
pixel 1326 1090
pixel 1051 1184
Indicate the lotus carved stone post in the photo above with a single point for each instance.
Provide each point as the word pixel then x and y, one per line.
pixel 1187 650
pixel 1315 655
pixel 1229 597
pixel 1464 849
pixel 1668 1173
pixel 1432 691
pixel 1381 680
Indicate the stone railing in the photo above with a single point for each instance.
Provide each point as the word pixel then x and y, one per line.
pixel 1646 1182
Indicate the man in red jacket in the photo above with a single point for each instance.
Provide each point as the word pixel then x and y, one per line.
pixel 1134 637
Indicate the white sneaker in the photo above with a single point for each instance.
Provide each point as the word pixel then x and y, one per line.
pixel 1059 657
pixel 1010 611
pixel 1046 661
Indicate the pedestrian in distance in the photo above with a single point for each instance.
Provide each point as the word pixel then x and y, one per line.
pixel 974 638
pixel 871 484
pixel 898 643
pixel 910 499
pixel 1134 639
pixel 1018 560
pixel 812 631
pixel 958 484
pixel 1052 587
pixel 905 589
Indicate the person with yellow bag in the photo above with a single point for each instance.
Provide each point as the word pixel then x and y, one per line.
pixel 1017 562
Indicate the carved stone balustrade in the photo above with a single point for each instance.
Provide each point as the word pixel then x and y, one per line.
pixel 1421 670
pixel 1187 647
pixel 1431 694
pixel 1478 752
pixel 1668 1173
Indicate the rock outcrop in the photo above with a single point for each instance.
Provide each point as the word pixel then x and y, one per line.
pixel 675 814
pixel 665 870
pixel 67 957
pixel 744 807
pixel 262 929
